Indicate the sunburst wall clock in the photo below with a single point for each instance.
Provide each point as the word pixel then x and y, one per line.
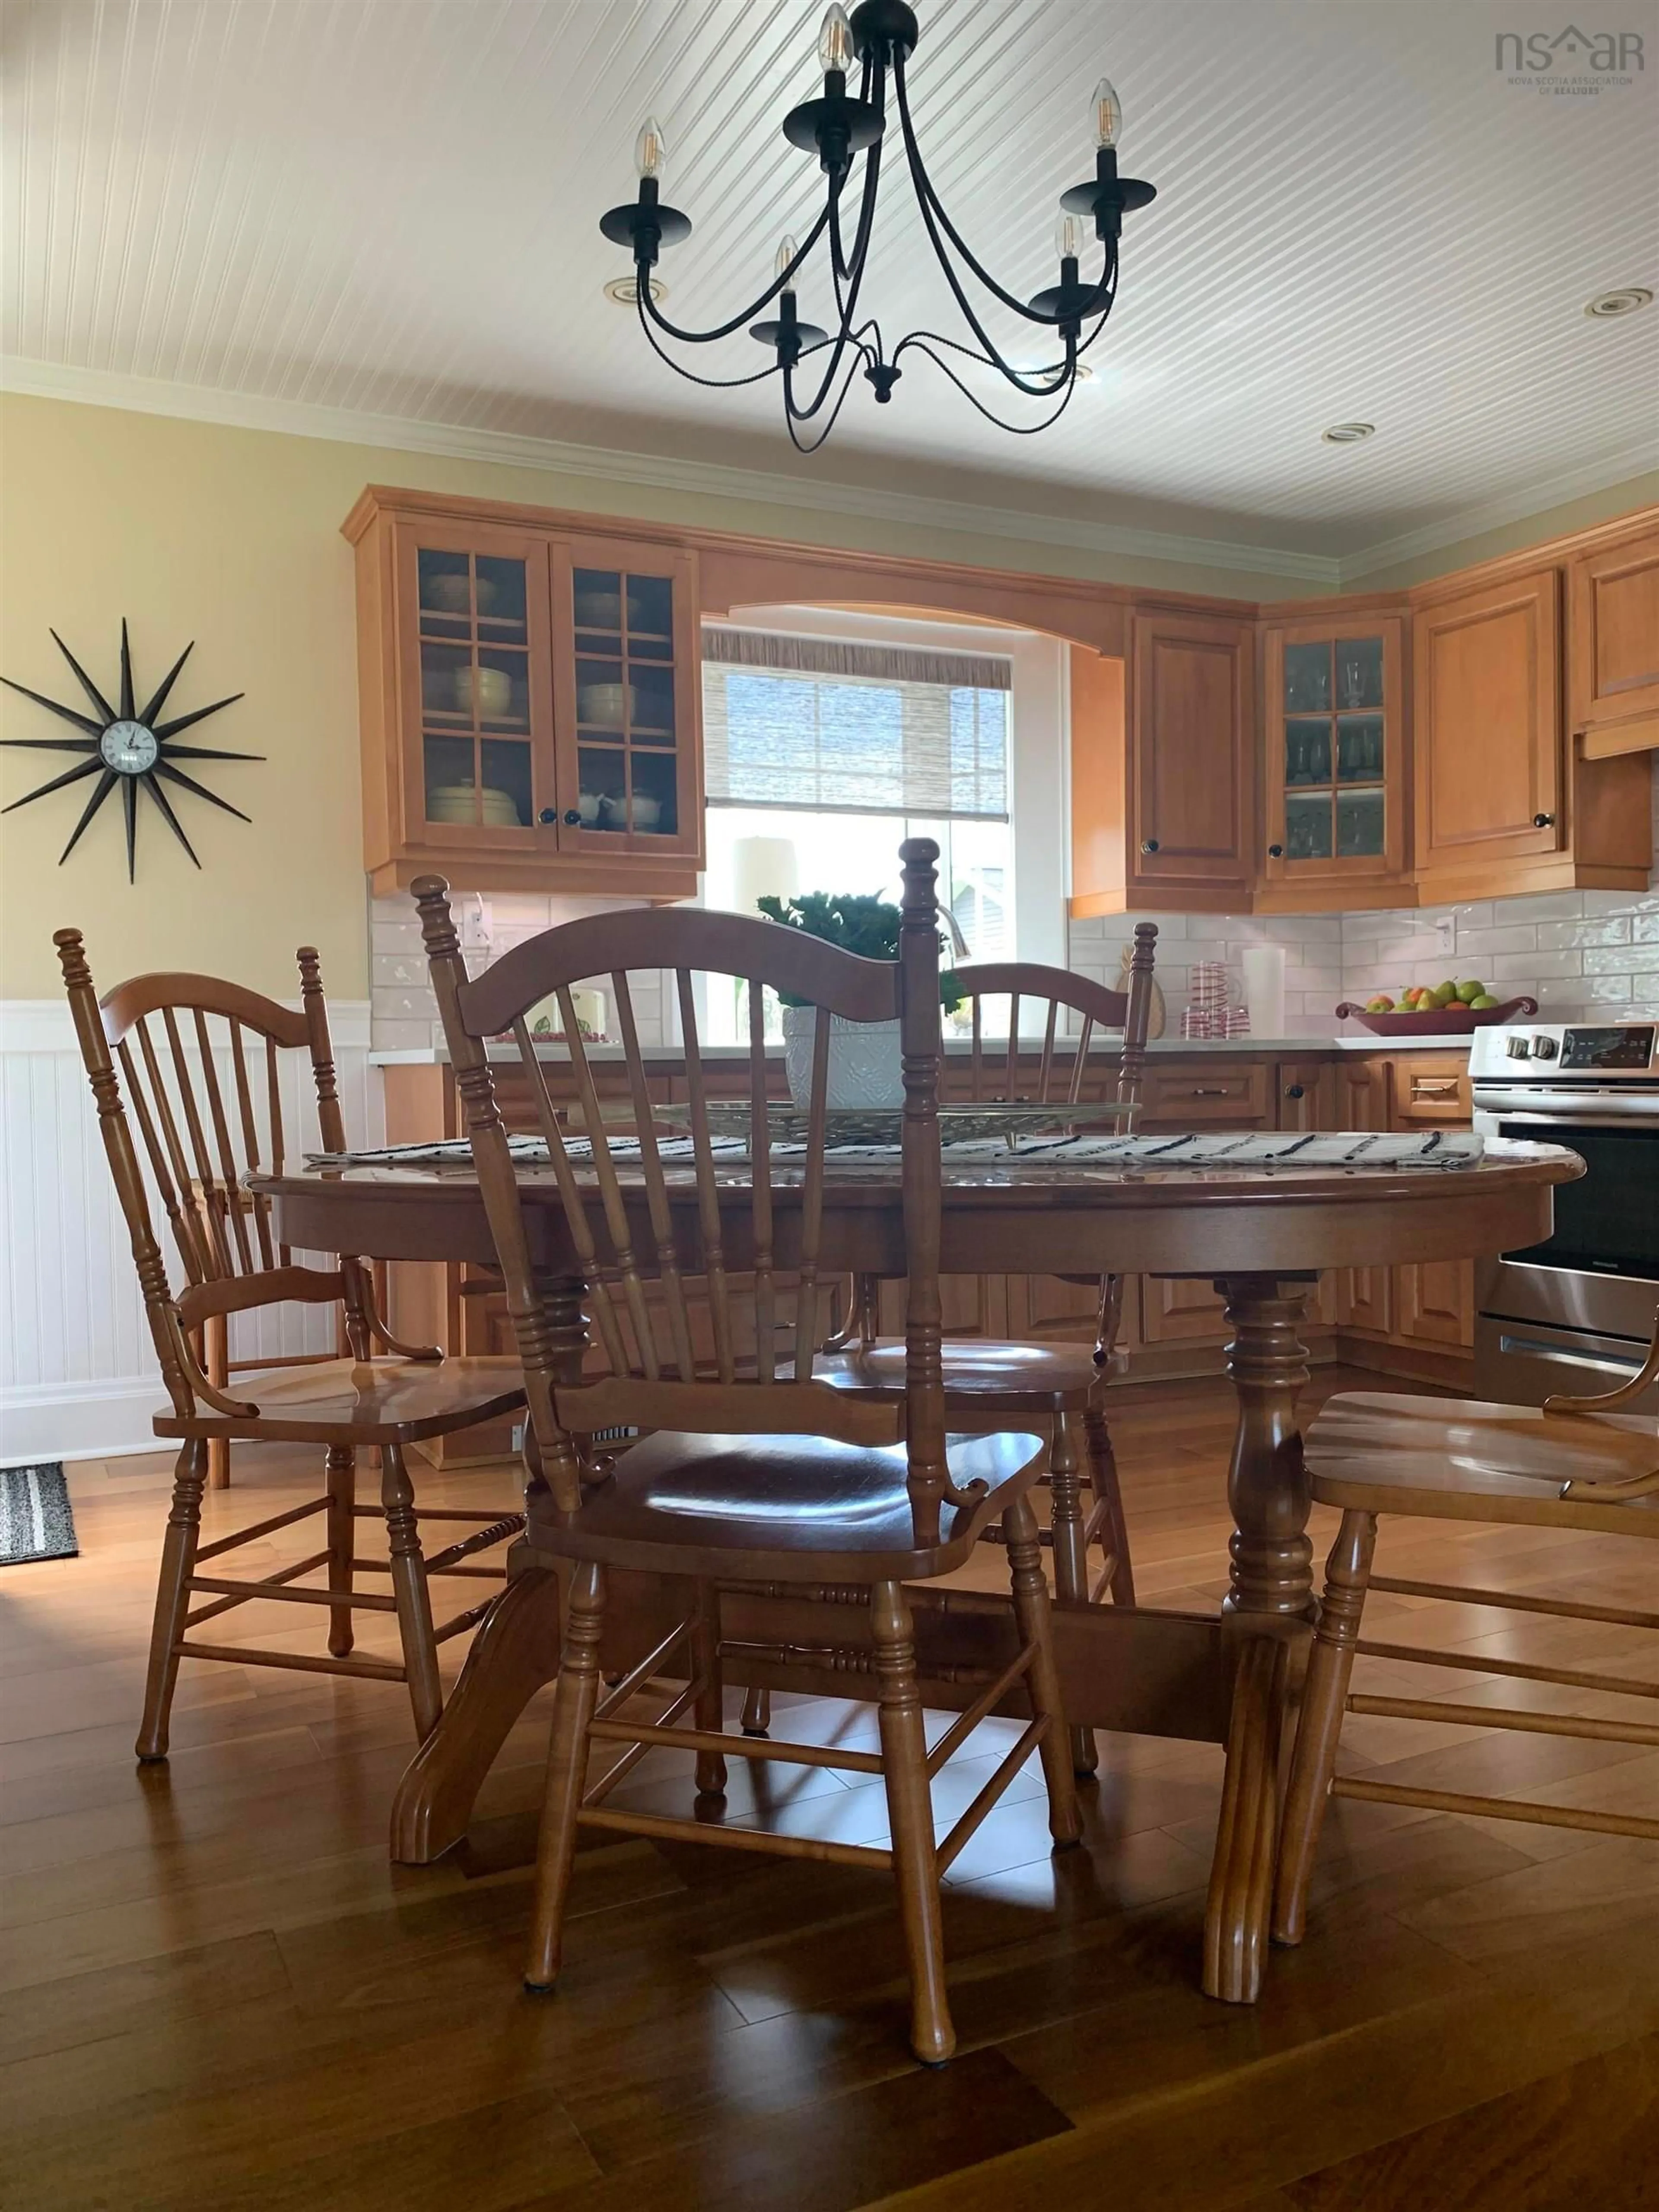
pixel 128 747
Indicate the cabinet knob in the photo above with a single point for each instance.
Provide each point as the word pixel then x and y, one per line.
pixel 1275 851
pixel 1294 1090
pixel 548 814
pixel 572 816
pixel 1543 822
pixel 1149 844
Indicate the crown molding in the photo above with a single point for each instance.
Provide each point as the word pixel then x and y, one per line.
pixel 1474 521
pixel 301 419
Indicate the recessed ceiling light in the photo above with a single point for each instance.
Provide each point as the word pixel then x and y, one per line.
pixel 1348 433
pixel 625 292
pixel 1627 300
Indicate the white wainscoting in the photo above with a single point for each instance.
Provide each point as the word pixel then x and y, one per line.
pixel 78 1372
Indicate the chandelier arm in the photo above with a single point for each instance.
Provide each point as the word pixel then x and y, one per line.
pixel 992 353
pixel 923 341
pixel 1059 370
pixel 847 309
pixel 835 348
pixel 931 206
pixel 792 415
pixel 725 330
pixel 854 267
pixel 708 383
pixel 839 267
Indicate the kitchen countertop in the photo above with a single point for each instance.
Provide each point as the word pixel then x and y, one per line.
pixel 1175 1046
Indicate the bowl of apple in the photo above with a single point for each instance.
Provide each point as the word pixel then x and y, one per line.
pixel 1435 1009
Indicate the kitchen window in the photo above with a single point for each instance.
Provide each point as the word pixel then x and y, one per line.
pixel 822 754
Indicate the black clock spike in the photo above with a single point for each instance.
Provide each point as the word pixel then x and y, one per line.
pixel 184 721
pixel 87 684
pixel 153 705
pixel 178 775
pixel 126 674
pixel 169 816
pixel 91 806
pixel 69 776
pixel 51 744
pixel 130 807
pixel 69 715
pixel 205 752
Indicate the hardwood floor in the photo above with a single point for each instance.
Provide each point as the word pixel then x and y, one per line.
pixel 216 1993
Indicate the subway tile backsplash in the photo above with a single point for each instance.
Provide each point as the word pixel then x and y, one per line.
pixel 1576 952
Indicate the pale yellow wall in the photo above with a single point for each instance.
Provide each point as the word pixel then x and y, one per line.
pixel 1604 506
pixel 232 537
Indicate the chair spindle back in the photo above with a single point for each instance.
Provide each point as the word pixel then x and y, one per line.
pixel 635 1222
pixel 1059 1078
pixel 199 1061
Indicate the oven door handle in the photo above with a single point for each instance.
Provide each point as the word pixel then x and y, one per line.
pixel 1563 1121
pixel 1530 1348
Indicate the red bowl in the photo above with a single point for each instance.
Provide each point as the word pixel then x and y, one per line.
pixel 1444 1021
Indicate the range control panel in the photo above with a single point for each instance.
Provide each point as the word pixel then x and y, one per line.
pixel 1605 1049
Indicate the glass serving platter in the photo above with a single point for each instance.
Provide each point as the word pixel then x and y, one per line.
pixel 968 1121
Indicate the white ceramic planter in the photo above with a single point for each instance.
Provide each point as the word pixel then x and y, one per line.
pixel 866 1069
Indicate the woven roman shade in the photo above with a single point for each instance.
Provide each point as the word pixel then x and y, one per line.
pixel 816 724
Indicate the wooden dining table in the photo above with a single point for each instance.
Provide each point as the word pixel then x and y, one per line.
pixel 1260 1235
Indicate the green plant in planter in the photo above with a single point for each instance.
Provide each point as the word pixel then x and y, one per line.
pixel 868 926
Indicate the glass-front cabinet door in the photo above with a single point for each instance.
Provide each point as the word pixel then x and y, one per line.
pixel 479 766
pixel 626 701
pixel 1335 754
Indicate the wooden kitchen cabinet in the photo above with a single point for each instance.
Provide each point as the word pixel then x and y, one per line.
pixel 1430 1088
pixel 529 704
pixel 1163 768
pixel 1335 765
pixel 1434 1305
pixel 1227 1094
pixel 1612 645
pixel 1503 804
pixel 1488 725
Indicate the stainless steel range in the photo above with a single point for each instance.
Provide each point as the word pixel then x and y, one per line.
pixel 1574 1313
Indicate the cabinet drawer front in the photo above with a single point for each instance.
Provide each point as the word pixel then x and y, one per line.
pixel 1429 1090
pixel 1189 1097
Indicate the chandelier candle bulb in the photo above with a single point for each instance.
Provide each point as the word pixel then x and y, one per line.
pixel 836 49
pixel 787 252
pixel 649 148
pixel 1107 113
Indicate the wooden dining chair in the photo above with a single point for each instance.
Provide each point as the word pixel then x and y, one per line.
pixel 199 1062
pixel 769 1480
pixel 1059 1387
pixel 1574 1463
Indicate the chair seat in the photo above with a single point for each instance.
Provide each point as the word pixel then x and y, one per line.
pixel 1465 1460
pixel 993 1377
pixel 800 1509
pixel 361 1402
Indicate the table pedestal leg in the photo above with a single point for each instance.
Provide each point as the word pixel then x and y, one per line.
pixel 1266 1612
pixel 514 1652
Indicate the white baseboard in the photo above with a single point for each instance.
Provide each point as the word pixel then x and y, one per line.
pixel 108 1419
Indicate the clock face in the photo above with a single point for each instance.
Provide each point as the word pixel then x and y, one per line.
pixel 129 748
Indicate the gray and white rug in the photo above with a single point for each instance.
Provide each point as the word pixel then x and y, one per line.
pixel 35 1520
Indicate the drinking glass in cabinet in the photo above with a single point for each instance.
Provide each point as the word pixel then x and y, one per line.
pixel 1358 673
pixel 1308 752
pixel 1307 679
pixel 1359 748
pixel 1308 829
pixel 1360 824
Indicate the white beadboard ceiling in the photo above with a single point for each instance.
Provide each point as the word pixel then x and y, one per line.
pixel 389 207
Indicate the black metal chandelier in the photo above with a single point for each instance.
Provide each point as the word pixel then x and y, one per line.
pixel 880 36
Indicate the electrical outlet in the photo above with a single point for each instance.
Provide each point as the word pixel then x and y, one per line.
pixel 1445 931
